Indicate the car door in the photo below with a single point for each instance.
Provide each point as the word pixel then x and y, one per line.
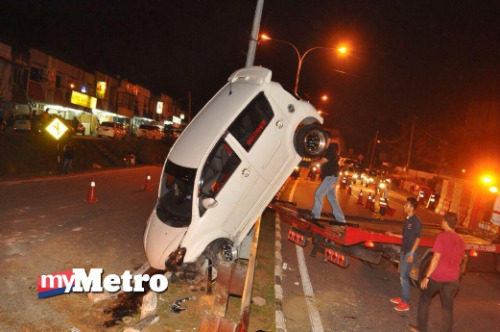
pixel 244 189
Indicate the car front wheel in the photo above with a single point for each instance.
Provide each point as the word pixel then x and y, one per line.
pixel 310 141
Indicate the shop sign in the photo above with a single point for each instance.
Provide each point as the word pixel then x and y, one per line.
pixel 81 99
pixel 101 89
pixel 159 107
pixel 176 120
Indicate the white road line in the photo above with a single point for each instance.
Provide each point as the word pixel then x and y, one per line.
pixel 314 316
pixel 312 307
pixel 278 289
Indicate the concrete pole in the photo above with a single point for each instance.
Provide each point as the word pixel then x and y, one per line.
pixel 255 34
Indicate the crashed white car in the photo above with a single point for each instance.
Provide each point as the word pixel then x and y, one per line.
pixel 225 169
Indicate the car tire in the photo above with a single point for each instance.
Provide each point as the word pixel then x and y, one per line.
pixel 310 141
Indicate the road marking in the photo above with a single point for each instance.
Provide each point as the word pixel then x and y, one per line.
pixel 278 289
pixel 314 317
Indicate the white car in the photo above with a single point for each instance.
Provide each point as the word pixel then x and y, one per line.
pixel 149 132
pixel 226 167
pixel 111 129
pixel 22 122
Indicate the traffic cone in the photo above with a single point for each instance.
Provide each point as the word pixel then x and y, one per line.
pixel 342 183
pixel 368 201
pixel 147 185
pixel 360 197
pixel 420 195
pixel 349 189
pixel 91 196
pixel 372 206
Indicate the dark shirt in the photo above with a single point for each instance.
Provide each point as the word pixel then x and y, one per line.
pixel 411 231
pixel 331 167
pixel 68 152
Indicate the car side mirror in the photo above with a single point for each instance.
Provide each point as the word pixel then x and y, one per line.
pixel 209 202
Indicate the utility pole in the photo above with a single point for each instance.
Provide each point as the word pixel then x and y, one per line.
pixel 409 149
pixel 373 149
pixel 255 34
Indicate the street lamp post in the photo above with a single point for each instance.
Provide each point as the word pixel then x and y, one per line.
pixel 301 57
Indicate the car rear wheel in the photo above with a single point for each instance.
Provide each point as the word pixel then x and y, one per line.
pixel 310 141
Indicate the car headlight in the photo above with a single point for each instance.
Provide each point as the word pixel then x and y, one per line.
pixel 175 260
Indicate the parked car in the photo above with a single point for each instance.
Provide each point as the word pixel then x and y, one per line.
pixel 225 168
pixel 22 122
pixel 111 129
pixel 76 127
pixel 149 132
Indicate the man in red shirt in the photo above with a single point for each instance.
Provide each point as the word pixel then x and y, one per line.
pixel 442 275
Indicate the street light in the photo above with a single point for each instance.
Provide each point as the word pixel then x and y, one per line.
pixel 340 50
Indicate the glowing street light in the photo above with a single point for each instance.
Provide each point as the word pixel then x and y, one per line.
pixel 340 50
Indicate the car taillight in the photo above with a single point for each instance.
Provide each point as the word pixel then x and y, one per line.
pixel 336 257
pixel 296 236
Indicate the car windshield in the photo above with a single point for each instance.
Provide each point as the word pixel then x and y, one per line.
pixel 175 204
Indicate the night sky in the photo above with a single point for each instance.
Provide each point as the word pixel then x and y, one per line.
pixel 422 58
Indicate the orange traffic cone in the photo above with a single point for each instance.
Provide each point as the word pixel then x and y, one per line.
pixel 349 189
pixel 368 201
pixel 372 206
pixel 147 185
pixel 91 196
pixel 360 197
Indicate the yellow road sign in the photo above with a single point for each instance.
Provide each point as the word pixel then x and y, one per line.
pixel 57 128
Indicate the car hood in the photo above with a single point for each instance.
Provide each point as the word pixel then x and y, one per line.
pixel 160 240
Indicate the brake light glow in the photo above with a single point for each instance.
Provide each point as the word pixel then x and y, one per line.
pixel 336 257
pixel 297 237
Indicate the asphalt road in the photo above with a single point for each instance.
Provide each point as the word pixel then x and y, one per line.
pixel 47 227
pixel 319 296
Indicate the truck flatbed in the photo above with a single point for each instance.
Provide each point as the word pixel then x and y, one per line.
pixel 359 230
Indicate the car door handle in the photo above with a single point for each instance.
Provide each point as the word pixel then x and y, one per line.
pixel 245 172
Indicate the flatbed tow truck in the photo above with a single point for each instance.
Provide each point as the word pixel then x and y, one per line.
pixel 368 239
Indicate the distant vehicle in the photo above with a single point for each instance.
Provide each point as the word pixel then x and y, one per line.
pixel 22 122
pixel 225 168
pixel 149 132
pixel 111 129
pixel 75 127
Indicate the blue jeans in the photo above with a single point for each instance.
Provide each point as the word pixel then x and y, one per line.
pixel 447 291
pixel 66 165
pixel 404 277
pixel 327 187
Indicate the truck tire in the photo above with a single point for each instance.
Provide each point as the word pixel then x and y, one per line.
pixel 310 141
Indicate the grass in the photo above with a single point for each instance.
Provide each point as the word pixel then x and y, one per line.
pixel 24 154
pixel 261 317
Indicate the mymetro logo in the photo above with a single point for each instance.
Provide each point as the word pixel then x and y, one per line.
pixel 77 280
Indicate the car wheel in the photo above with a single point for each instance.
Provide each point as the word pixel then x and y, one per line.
pixel 310 141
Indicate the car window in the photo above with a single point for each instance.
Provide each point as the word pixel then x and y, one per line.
pixel 107 124
pixel 250 124
pixel 219 167
pixel 22 117
pixel 175 204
